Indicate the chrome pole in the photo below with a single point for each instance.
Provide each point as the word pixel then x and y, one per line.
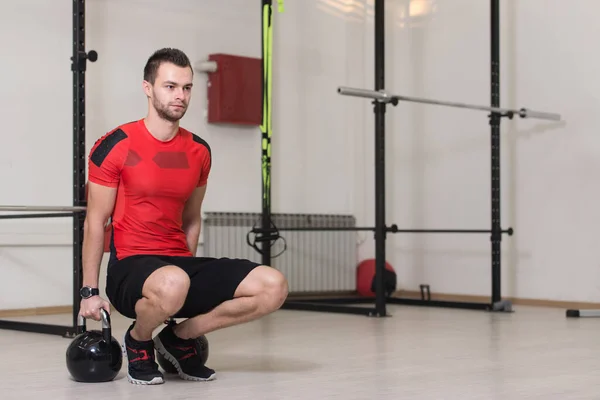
pixel 386 97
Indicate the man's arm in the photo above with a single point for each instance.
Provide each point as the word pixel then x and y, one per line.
pixel 192 218
pixel 100 205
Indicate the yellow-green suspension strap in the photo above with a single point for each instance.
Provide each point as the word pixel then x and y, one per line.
pixel 266 127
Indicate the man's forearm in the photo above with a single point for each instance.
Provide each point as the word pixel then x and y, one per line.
pixel 192 233
pixel 93 250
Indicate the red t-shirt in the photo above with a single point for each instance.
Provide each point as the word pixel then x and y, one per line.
pixel 154 180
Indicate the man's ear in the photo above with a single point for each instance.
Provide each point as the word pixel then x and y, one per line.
pixel 147 87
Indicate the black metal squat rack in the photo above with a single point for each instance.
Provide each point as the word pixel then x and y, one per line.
pixel 377 306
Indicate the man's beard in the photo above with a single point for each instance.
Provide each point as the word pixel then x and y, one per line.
pixel 166 113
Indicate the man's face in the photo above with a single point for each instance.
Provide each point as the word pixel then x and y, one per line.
pixel 172 90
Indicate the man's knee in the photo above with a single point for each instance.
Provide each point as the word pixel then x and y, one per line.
pixel 267 283
pixel 276 287
pixel 167 287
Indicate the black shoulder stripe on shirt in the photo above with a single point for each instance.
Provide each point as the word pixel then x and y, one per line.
pixel 105 147
pixel 203 142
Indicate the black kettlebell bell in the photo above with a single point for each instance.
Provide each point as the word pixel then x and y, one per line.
pixel 201 346
pixel 94 356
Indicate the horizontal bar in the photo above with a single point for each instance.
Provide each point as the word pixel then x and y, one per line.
pixel 508 231
pixel 392 229
pixel 34 327
pixel 45 215
pixel 439 303
pixel 41 208
pixel 336 300
pixel 315 305
pixel 387 97
pixel 312 228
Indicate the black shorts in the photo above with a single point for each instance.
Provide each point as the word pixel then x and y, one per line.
pixel 212 281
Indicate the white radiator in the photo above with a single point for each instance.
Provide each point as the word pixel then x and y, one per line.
pixel 313 261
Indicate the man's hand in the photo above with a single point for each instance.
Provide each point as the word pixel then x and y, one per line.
pixel 90 308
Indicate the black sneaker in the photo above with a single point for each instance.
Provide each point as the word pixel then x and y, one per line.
pixel 142 368
pixel 184 354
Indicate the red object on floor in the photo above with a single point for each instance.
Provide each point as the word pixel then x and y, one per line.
pixel 365 274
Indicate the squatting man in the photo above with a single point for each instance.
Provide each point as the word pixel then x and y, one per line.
pixel 149 177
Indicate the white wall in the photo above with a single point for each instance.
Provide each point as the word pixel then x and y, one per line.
pixel 553 177
pixel 437 158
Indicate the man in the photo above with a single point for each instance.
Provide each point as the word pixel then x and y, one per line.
pixel 150 177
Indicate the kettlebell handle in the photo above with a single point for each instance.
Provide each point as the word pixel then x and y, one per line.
pixel 106 328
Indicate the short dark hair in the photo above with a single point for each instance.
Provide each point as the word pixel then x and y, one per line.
pixel 169 55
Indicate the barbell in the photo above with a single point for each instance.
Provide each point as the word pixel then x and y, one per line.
pixel 387 97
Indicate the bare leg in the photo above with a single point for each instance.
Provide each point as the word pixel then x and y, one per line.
pixel 164 293
pixel 262 292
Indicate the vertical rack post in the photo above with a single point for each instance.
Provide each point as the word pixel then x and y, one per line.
pixel 379 109
pixel 496 235
pixel 78 67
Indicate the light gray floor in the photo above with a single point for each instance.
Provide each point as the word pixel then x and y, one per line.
pixel 418 353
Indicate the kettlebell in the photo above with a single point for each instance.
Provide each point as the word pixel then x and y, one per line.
pixel 94 356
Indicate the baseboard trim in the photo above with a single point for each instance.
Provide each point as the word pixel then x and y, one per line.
pixel 514 300
pixel 24 312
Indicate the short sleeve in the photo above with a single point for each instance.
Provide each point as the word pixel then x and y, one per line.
pixel 107 158
pixel 206 165
pixel 205 159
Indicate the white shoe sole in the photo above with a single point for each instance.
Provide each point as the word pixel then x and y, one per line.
pixel 155 381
